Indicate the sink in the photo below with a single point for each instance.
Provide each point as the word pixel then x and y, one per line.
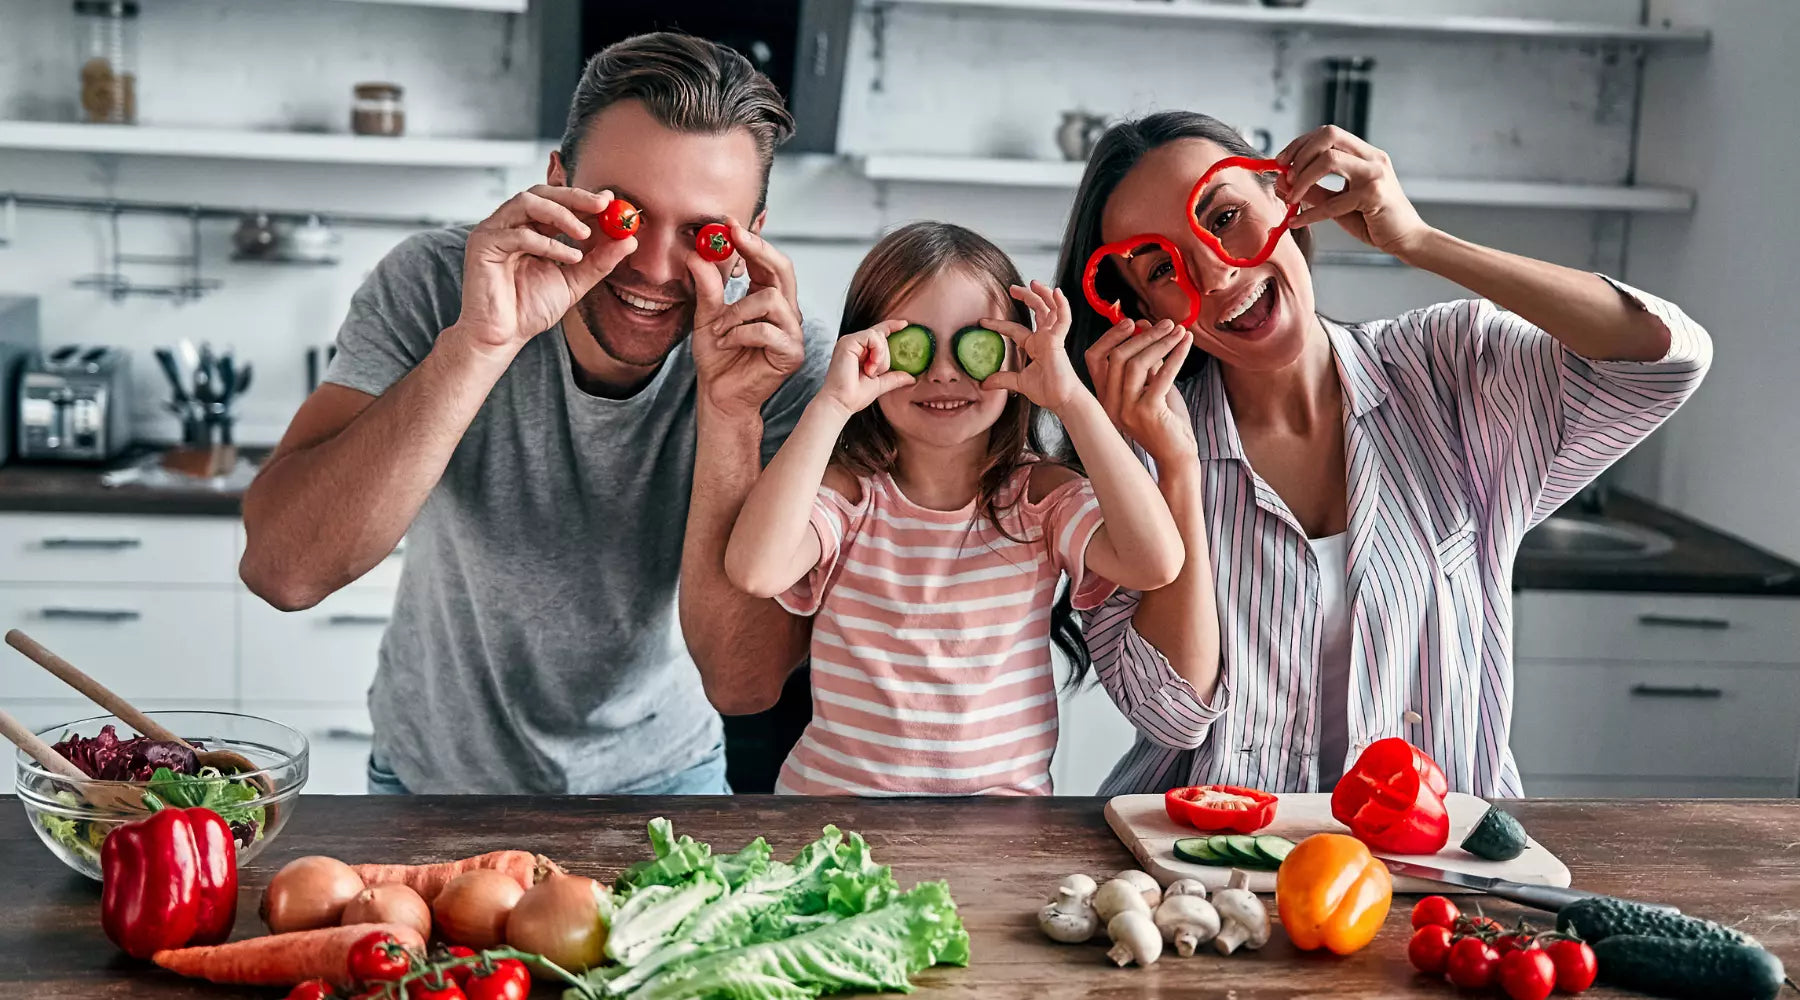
pixel 1580 538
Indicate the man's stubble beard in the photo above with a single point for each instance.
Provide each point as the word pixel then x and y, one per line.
pixel 621 352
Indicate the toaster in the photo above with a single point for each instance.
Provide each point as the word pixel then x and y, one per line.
pixel 75 405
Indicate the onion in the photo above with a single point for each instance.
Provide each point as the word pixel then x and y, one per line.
pixel 390 903
pixel 472 908
pixel 309 893
pixel 559 918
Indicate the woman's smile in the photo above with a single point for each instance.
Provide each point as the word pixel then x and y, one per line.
pixel 1254 313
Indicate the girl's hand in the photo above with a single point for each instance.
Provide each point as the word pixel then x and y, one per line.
pixel 1046 377
pixel 1134 367
pixel 1371 207
pixel 859 373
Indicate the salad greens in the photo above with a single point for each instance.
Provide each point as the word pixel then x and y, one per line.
pixel 689 923
pixel 210 788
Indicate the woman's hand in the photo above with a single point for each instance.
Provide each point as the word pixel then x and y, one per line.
pixel 1046 376
pixel 1134 367
pixel 859 373
pixel 1371 207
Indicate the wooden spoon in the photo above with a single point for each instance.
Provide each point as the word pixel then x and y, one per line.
pixel 107 795
pixel 227 761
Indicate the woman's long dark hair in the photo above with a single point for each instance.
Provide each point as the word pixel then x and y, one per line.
pixel 867 446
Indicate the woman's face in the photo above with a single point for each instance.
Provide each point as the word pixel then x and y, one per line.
pixel 944 407
pixel 1255 318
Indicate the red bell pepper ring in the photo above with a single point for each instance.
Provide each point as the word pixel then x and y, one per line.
pixel 1392 799
pixel 1184 806
pixel 1125 249
pixel 1207 237
pixel 168 881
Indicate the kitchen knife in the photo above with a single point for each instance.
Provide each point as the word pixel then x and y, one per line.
pixel 1540 897
pixel 166 358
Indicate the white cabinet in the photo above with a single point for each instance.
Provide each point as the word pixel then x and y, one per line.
pixel 1091 735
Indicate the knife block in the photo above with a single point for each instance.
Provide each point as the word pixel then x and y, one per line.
pixel 201 463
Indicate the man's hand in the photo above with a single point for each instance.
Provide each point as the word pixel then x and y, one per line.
pixel 519 280
pixel 745 350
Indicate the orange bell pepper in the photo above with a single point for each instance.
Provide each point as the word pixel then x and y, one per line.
pixel 1332 893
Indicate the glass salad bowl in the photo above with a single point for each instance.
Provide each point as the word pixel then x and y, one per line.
pixel 256 803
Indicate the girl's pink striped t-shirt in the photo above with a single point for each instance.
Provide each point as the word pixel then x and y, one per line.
pixel 931 671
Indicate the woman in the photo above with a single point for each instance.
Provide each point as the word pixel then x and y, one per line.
pixel 1363 487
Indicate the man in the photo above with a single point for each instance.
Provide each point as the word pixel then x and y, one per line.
pixel 520 401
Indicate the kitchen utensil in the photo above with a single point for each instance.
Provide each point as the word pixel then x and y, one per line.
pixel 189 356
pixel 1541 897
pixel 109 795
pixel 311 240
pixel 255 236
pixel 1143 824
pixel 75 404
pixel 166 359
pixel 1347 94
pixel 241 382
pixel 1078 133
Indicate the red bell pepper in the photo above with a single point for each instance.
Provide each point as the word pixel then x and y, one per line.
pixel 1125 249
pixel 1186 805
pixel 1212 242
pixel 168 881
pixel 1393 799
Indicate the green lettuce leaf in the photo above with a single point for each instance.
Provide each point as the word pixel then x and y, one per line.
pixel 209 789
pixel 677 860
pixel 652 914
pixel 746 864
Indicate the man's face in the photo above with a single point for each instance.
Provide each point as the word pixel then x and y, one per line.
pixel 681 181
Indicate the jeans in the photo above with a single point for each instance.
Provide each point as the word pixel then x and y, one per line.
pixel 704 778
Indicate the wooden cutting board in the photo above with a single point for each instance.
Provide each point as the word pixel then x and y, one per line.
pixel 1145 827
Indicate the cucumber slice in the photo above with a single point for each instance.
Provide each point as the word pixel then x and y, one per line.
pixel 910 349
pixel 1273 849
pixel 1221 845
pixel 1199 851
pixel 1245 848
pixel 980 351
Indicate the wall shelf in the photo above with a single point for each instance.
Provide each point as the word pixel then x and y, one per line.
pixel 504 6
pixel 1330 22
pixel 292 147
pixel 1055 174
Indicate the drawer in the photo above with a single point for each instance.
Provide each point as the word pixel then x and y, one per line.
pixel 142 642
pixel 326 653
pixel 1685 629
pixel 109 548
pixel 337 744
pixel 1575 787
pixel 1604 719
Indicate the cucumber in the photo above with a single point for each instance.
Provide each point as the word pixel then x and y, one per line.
pixel 1273 849
pixel 1234 851
pixel 1245 849
pixel 979 350
pixel 1220 845
pixel 1497 837
pixel 1702 970
pixel 910 349
pixel 1602 917
pixel 1199 851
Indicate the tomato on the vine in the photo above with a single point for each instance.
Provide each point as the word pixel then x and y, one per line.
pixel 1506 944
pixel 312 989
pixel 713 242
pixel 1477 925
pixel 377 958
pixel 461 973
pixel 509 980
pixel 1434 911
pixel 1429 948
pixel 1527 974
pixel 1575 964
pixel 1471 963
pixel 435 988
pixel 620 218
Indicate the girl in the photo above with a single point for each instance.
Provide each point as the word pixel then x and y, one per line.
pixel 1367 485
pixel 928 536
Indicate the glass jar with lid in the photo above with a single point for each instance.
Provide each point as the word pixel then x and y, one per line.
pixel 106 54
pixel 378 110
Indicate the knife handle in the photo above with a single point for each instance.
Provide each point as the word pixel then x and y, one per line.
pixel 1553 897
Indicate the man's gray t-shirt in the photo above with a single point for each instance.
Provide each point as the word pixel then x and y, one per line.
pixel 535 646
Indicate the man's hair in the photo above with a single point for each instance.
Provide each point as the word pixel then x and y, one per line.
pixel 688 84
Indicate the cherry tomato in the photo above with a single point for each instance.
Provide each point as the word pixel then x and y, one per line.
pixel 1527 974
pixel 509 981
pixel 1506 944
pixel 1471 963
pixel 378 958
pixel 461 973
pixel 620 218
pixel 1429 949
pixel 1575 965
pixel 418 990
pixel 312 989
pixel 1477 925
pixel 1434 911
pixel 713 242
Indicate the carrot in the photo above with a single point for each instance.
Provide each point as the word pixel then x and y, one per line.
pixel 281 959
pixel 428 880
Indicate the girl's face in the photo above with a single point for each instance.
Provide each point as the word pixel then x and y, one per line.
pixel 1255 318
pixel 944 407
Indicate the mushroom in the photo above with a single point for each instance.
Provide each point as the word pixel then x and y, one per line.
pixel 1135 938
pixel 1148 886
pixel 1245 920
pixel 1117 896
pixel 1082 885
pixel 1187 921
pixel 1069 918
pixel 1185 887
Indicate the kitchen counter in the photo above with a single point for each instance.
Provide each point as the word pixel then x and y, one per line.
pixel 1734 861
pixel 61 488
pixel 1704 560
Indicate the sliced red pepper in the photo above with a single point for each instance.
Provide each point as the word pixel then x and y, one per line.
pixel 1183 806
pixel 1206 236
pixel 1392 799
pixel 168 881
pixel 1125 249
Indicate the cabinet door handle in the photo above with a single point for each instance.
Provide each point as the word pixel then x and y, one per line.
pixel 91 544
pixel 357 620
pixel 346 735
pixel 89 615
pixel 1670 691
pixel 1684 621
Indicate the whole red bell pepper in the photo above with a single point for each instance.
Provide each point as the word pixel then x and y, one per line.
pixel 1392 799
pixel 168 881
pixel 1193 807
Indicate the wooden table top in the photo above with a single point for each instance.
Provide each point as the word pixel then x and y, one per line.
pixel 1735 861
